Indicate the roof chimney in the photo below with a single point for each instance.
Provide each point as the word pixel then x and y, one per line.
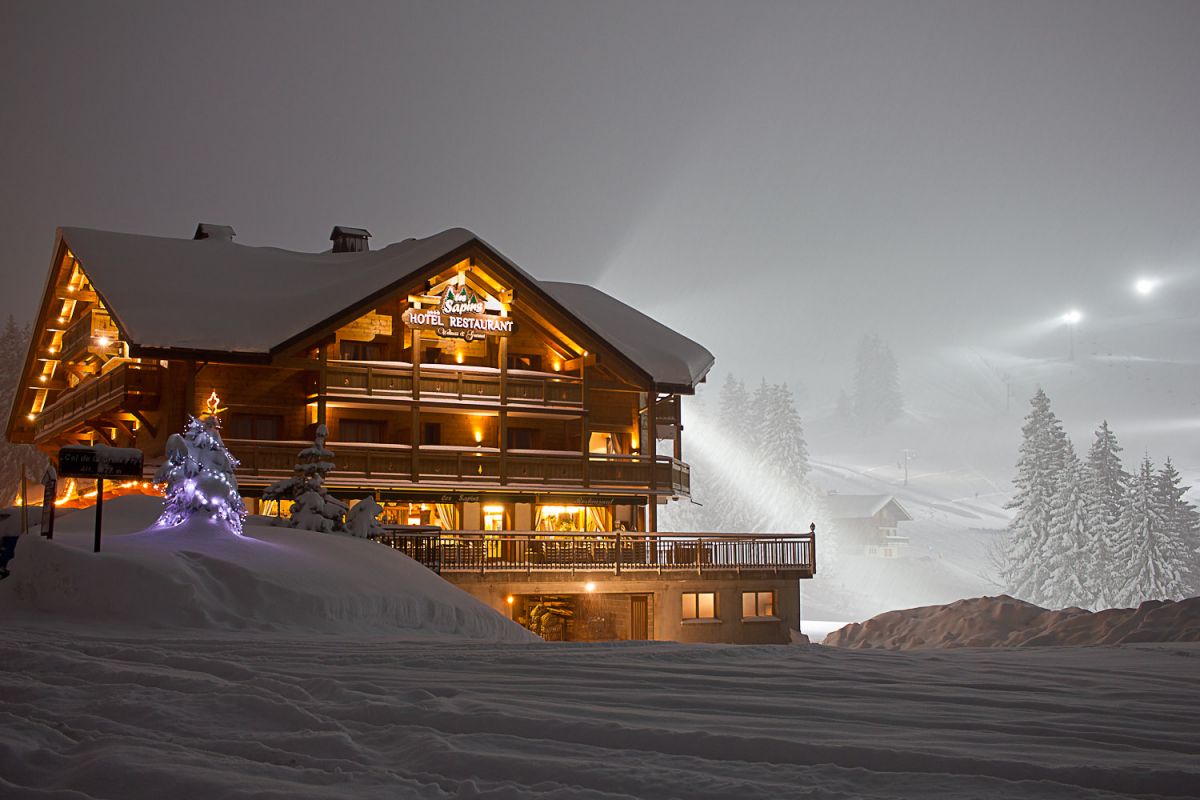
pixel 349 240
pixel 220 233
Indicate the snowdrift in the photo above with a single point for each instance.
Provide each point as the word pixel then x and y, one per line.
pixel 198 575
pixel 1007 622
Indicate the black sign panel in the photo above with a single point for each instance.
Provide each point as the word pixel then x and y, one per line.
pixel 78 461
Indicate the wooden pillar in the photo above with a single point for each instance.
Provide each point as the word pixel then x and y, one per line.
pixel 652 437
pixel 189 392
pixel 416 406
pixel 322 382
pixel 502 431
pixel 678 427
pixel 584 432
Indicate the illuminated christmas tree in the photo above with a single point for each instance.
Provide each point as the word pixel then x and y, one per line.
pixel 199 474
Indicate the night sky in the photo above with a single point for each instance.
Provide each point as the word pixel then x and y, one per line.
pixel 944 173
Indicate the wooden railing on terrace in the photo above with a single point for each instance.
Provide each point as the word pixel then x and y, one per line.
pixel 392 464
pixel 93 332
pixel 128 386
pixel 507 551
pixel 458 383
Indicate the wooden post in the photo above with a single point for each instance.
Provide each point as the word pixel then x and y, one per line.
pixel 415 477
pixel 322 382
pixel 678 401
pixel 584 433
pixel 99 513
pixel 651 435
pixel 502 427
pixel 24 504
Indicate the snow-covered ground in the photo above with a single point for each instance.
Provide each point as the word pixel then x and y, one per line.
pixel 223 715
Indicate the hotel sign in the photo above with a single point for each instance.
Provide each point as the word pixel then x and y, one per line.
pixel 460 316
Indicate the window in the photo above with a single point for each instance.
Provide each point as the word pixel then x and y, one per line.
pixel 758 604
pixel 522 439
pixel 262 427
pixel 699 605
pixel 431 433
pixel 362 351
pixel 361 430
pixel 521 361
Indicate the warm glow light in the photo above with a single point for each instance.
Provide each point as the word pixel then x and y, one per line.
pixel 557 366
pixel 1073 316
pixel 591 587
pixel 493 509
pixel 31 416
pixel 62 319
pixel 458 358
pixel 41 378
pixel 509 599
pixel 1145 286
pixel 478 437
pixel 104 341
pixel 51 349
pixel 70 288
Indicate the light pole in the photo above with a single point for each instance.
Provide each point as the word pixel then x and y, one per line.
pixel 908 456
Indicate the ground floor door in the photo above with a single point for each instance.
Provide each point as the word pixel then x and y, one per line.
pixel 639 617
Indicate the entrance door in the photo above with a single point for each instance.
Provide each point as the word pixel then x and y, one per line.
pixel 639 618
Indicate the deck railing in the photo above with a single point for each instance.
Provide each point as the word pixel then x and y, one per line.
pixel 347 378
pixel 129 386
pixel 459 551
pixel 392 464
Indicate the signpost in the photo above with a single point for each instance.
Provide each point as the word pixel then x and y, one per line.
pixel 99 462
pixel 49 493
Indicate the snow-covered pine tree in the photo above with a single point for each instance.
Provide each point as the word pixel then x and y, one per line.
pixel 15 458
pixel 1067 582
pixel 1153 559
pixel 1182 522
pixel 313 508
pixel 728 502
pixel 877 397
pixel 199 474
pixel 1038 466
pixel 1106 484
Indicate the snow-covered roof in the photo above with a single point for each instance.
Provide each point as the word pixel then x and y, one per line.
pixel 214 295
pixel 861 506
pixel 672 358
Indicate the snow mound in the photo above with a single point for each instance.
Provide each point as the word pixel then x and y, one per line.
pixel 1007 622
pixel 198 575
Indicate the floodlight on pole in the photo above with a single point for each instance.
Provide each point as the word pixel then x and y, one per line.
pixel 1145 286
pixel 1072 318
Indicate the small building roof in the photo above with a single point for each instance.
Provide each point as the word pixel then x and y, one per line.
pixel 862 506
pixel 345 230
pixel 219 296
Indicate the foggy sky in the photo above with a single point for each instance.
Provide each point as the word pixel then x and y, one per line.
pixel 942 173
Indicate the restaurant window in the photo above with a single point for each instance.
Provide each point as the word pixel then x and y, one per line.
pixel 362 351
pixel 263 427
pixel 431 433
pixel 523 438
pixel 758 604
pixel 361 430
pixel 523 361
pixel 699 605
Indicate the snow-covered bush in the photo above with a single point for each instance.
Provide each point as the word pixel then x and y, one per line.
pixel 199 474
pixel 361 521
pixel 313 507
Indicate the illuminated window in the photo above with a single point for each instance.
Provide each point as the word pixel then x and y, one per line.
pixel 699 605
pixel 758 604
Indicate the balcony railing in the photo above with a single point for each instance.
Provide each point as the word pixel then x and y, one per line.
pixel 385 465
pixel 345 378
pixel 94 332
pixel 535 551
pixel 127 387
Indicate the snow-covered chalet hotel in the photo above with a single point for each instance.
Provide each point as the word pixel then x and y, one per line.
pixel 536 423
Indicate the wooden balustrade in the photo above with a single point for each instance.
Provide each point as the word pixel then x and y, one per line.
pixel 389 464
pixel 508 551
pixel 94 332
pixel 129 386
pixel 459 383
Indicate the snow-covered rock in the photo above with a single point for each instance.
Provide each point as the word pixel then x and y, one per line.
pixel 1007 622
pixel 199 575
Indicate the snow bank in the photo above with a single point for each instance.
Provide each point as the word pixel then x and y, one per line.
pixel 1007 622
pixel 200 576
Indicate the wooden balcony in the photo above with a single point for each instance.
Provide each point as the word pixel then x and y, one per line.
pixel 347 379
pixel 539 551
pixel 391 465
pixel 129 386
pixel 94 333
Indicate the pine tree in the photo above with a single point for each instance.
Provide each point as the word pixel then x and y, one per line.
pixel 199 473
pixel 877 398
pixel 15 459
pixel 1181 523
pixel 1106 484
pixel 1067 581
pixel 1154 559
pixel 1038 466
pixel 730 507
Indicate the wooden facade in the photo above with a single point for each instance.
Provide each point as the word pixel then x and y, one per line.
pixel 534 422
